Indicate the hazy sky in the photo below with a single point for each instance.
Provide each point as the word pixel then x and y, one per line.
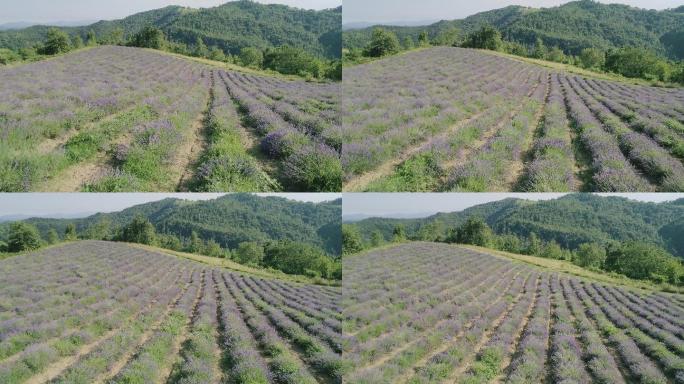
pixel 78 10
pixel 69 203
pixel 410 204
pixel 419 10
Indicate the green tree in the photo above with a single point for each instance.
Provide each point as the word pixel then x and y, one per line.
pixel 351 240
pixel 634 62
pixel 70 233
pixel 170 242
pixel 249 252
pixel 57 42
pixel 140 231
pixel 299 258
pixel 216 53
pixel 292 61
pixel 474 231
pixel 487 37
pixel 592 58
pixel 91 40
pixel 423 39
pixel 8 56
pixel 590 255
pixel 534 245
pixel 551 250
pixel 382 43
pixel 101 230
pixel 377 239
pixel 196 244
pixel 640 260
pixel 540 50
pixel 409 43
pixel 116 37
pixel 52 236
pixel 213 249
pixel 509 243
pixel 556 54
pixel 23 237
pixel 449 37
pixel 251 57
pixel 149 37
pixel 399 233
pixel 77 42
pixel 201 49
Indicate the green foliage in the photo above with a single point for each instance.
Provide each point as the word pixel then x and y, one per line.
pixel 590 255
pixel 201 49
pixel 423 39
pixel 70 233
pixel 91 39
pixel 195 245
pixel 486 37
pixel 148 37
pixel 8 56
pixel 100 230
pixel 409 43
pixel 57 42
pixel 292 61
pixel 77 42
pixel 251 57
pixel 399 233
pixel 557 55
pixel 447 37
pixel 592 58
pixel 52 236
pixel 351 240
pixel 139 230
pixel 216 53
pixel 23 237
pixel 300 259
pixel 640 260
pixel 250 253
pixel 382 43
pixel 474 231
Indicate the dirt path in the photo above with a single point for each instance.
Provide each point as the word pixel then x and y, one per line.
pixel 518 169
pixel 189 152
pixel 166 372
pixel 358 183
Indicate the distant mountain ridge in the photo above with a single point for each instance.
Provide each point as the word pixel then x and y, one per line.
pixel 570 220
pixel 571 26
pixel 231 27
pixel 229 220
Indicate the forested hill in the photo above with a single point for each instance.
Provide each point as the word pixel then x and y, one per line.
pixel 230 26
pixel 570 221
pixel 229 220
pixel 572 27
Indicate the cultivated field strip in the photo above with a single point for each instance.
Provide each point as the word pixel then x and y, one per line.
pixel 446 319
pixel 451 119
pixel 154 318
pixel 126 119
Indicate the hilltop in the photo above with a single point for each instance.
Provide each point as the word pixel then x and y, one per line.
pixel 230 27
pixel 571 220
pixel 228 220
pixel 571 26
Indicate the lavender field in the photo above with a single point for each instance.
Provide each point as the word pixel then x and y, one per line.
pixel 126 119
pixel 453 119
pixel 436 313
pixel 100 312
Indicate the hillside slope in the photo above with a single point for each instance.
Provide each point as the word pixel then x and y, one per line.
pixel 230 26
pixel 229 220
pixel 570 220
pixel 572 27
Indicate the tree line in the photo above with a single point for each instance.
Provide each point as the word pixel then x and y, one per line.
pixel 635 259
pixel 632 62
pixel 290 257
pixel 284 59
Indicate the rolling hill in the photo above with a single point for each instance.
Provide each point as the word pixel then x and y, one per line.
pixel 569 220
pixel 230 26
pixel 229 220
pixel 572 27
